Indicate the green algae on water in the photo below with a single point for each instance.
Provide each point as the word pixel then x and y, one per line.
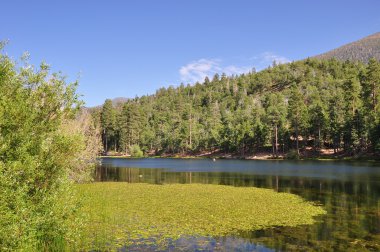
pixel 120 214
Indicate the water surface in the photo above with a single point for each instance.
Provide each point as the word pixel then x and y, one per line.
pixel 349 191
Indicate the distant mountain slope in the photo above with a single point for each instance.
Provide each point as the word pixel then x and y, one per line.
pixel 116 102
pixel 119 100
pixel 361 50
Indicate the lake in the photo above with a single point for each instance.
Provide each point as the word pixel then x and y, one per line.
pixel 349 191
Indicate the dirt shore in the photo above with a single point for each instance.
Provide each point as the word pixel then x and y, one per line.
pixel 308 153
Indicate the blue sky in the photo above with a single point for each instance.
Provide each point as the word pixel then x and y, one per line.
pixel 129 48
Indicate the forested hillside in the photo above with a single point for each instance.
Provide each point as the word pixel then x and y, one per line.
pixel 312 103
pixel 361 50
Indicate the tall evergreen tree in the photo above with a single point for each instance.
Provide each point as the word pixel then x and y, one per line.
pixel 108 124
pixel 275 111
pixel 371 86
pixel 318 117
pixel 297 113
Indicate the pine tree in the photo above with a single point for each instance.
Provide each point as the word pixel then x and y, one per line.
pixel 336 118
pixel 371 95
pixel 108 123
pixel 371 86
pixel 297 113
pixel 275 116
pixel 318 118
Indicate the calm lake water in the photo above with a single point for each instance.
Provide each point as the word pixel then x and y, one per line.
pixel 349 191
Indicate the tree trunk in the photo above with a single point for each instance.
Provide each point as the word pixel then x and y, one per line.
pixel 319 137
pixel 305 140
pixel 273 142
pixel 106 144
pixel 190 143
pixel 374 97
pixel 298 150
pixel 276 141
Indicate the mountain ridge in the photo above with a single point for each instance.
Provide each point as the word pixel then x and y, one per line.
pixel 359 50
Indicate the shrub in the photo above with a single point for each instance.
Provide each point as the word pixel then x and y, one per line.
pixel 292 154
pixel 37 202
pixel 135 151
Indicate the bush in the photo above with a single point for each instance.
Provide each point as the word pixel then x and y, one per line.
pixel 37 202
pixel 135 151
pixel 292 154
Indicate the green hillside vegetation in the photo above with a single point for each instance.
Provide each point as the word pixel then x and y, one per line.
pixel 362 50
pixel 306 105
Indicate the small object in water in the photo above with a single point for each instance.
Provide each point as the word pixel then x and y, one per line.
pixel 214 159
pixel 140 175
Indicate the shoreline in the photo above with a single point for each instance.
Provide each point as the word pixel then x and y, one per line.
pixel 259 156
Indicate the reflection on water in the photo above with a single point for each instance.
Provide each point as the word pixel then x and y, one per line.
pixel 204 244
pixel 350 192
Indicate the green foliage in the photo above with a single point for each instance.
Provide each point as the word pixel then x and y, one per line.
pixel 123 213
pixel 297 113
pixel 135 151
pixel 310 103
pixel 108 124
pixel 293 155
pixel 37 205
pixel 275 116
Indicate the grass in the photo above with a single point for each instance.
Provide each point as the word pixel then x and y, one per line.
pixel 121 214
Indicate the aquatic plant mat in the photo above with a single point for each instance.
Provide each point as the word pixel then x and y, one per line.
pixel 122 214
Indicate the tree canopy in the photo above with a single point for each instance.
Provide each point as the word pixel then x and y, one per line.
pixel 310 103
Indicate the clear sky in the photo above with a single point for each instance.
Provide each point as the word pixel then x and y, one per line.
pixel 129 48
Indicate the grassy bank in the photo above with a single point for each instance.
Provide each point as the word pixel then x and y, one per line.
pixel 120 214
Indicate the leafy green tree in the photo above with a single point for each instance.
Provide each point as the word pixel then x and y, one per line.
pixel 37 155
pixel 135 151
